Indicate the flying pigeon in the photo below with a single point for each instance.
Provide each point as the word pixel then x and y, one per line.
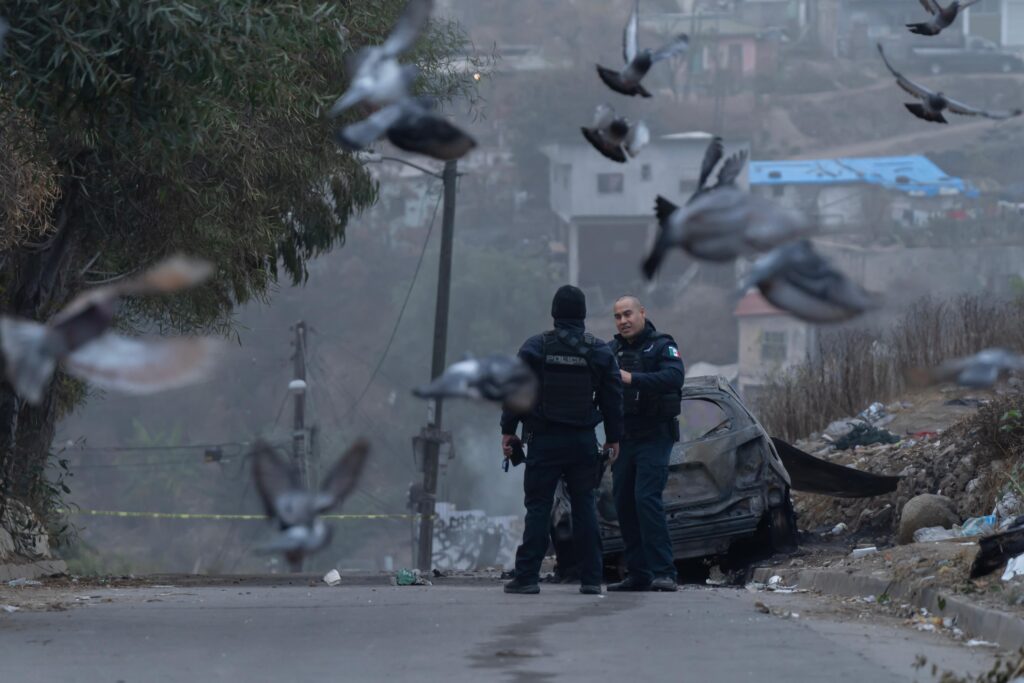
pixel 296 509
pixel 639 62
pixel 79 335
pixel 933 103
pixel 410 125
pixel 943 17
pixel 379 79
pixel 614 136
pixel 979 371
pixel 497 378
pixel 723 225
pixel 727 173
pixel 798 280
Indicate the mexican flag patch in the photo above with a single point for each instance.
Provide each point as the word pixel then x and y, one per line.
pixel 673 352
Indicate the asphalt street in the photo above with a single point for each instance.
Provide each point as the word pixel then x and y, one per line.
pixel 458 633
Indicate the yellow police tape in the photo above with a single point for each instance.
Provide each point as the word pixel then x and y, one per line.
pixel 186 515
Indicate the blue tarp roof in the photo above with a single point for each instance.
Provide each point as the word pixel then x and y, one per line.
pixel 915 175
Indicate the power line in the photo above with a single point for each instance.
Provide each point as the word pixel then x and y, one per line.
pixel 401 312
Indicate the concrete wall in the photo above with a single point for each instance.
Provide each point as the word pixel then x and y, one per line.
pixel 753 368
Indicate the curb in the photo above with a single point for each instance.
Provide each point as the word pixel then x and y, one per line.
pixel 32 570
pixel 980 622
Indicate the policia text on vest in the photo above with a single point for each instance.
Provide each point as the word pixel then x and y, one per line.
pixel 580 387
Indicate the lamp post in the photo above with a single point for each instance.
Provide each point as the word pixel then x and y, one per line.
pixel 432 435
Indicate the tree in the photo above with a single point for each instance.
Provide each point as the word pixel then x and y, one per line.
pixel 129 131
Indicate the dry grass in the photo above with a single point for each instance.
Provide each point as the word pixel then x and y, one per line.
pixel 852 368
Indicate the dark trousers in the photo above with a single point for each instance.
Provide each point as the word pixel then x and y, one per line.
pixel 572 456
pixel 639 476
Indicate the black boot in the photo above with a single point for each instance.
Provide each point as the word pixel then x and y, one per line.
pixel 664 583
pixel 519 588
pixel 629 584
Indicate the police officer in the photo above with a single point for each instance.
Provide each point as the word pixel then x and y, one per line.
pixel 580 385
pixel 652 377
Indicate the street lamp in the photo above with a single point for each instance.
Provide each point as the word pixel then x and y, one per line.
pixel 432 436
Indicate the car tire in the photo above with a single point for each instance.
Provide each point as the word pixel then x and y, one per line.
pixel 782 526
pixel 935 69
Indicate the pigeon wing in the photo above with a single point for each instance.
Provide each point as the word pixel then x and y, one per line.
pixel 143 366
pixel 408 27
pixel 674 48
pixel 637 138
pixel 342 479
pixel 712 155
pixel 360 135
pixel 629 41
pixel 915 89
pixel 601 144
pixel 273 475
pixel 930 6
pixel 731 169
pixel 603 116
pixel 963 109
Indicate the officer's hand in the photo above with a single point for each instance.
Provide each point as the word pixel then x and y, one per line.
pixel 627 377
pixel 506 445
pixel 614 451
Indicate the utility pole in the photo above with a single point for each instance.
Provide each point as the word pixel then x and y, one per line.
pixel 298 389
pixel 432 437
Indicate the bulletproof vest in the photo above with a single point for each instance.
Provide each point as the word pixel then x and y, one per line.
pixel 567 379
pixel 636 402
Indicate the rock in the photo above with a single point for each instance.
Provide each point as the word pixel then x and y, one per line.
pixel 925 510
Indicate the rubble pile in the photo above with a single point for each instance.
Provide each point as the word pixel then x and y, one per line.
pixel 951 462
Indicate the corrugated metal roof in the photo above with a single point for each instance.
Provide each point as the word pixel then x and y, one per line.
pixel 915 175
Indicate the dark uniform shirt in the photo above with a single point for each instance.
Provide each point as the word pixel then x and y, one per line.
pixel 659 351
pixel 608 383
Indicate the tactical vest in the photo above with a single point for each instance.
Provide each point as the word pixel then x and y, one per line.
pixel 636 402
pixel 567 379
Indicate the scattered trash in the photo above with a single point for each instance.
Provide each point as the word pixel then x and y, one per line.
pixel 10 609
pixel 439 574
pixel 966 401
pixel 332 578
pixel 865 435
pixel 411 577
pixel 838 529
pixel 1015 567
pixel 761 607
pixel 19 583
pixel 774 581
pixel 977 526
pixel 861 552
pixel 924 435
pixel 976 642
pixel 934 533
pixel 873 413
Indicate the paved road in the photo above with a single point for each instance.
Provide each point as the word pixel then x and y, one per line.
pixel 454 634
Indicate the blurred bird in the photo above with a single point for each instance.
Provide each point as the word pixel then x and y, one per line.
pixel 798 280
pixel 935 102
pixel 614 136
pixel 723 225
pixel 727 174
pixel 378 77
pixel 410 125
pixel 79 335
pixel 980 371
pixel 497 378
pixel 639 62
pixel 296 509
pixel 943 17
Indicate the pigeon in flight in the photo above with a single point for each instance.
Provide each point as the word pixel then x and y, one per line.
pixel 79 336
pixel 934 103
pixel 797 279
pixel 639 62
pixel 498 378
pixel 412 125
pixel 727 173
pixel 614 136
pixel 723 225
pixel 296 509
pixel 942 17
pixel 980 371
pixel 378 77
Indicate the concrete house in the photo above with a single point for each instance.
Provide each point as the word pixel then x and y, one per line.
pixel 770 341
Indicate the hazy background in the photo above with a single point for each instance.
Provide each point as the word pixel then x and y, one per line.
pixel 816 95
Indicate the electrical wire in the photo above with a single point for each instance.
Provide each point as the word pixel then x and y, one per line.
pixel 401 312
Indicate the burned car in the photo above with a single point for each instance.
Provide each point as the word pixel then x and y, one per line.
pixel 726 482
